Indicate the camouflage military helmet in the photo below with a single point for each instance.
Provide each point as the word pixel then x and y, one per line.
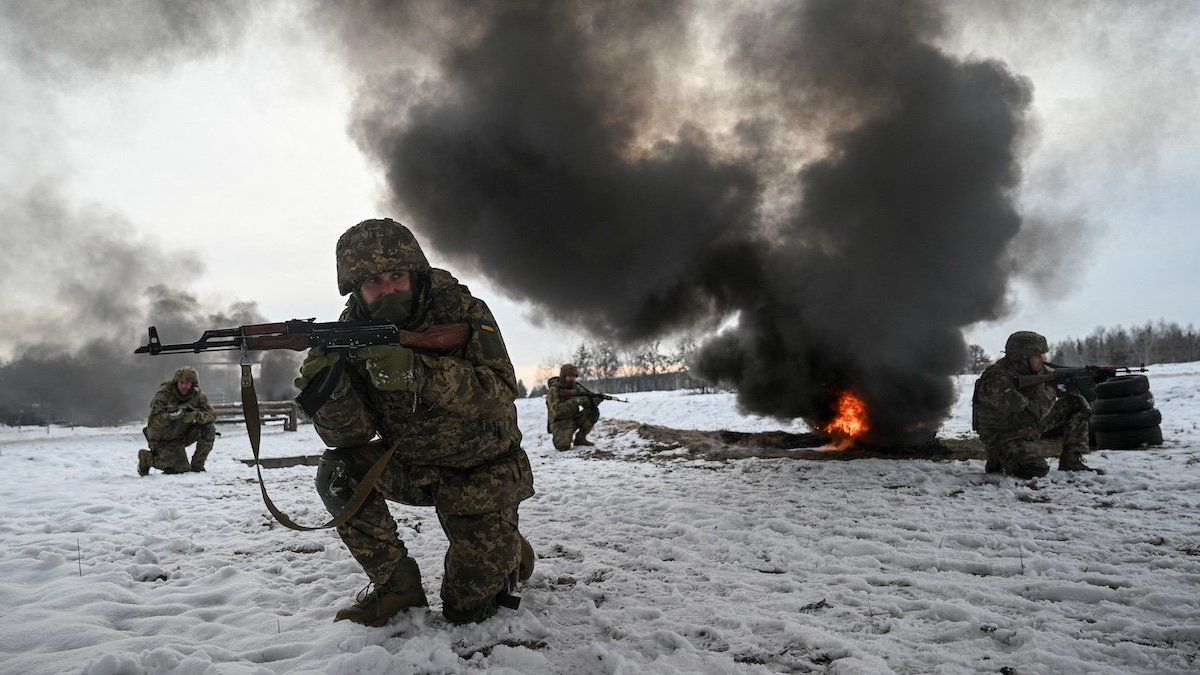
pixel 568 369
pixel 1024 344
pixel 375 246
pixel 187 373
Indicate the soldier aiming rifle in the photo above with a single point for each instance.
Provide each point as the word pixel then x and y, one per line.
pixel 571 409
pixel 1020 398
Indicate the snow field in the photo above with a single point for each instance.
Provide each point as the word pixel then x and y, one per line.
pixel 684 566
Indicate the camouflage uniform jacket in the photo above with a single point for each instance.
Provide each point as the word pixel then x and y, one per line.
pixel 164 423
pixel 999 406
pixel 462 415
pixel 560 409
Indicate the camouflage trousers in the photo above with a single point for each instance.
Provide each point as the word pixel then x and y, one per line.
pixel 484 549
pixel 1012 451
pixel 171 456
pixel 564 431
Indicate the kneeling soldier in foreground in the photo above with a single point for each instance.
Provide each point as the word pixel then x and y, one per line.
pixel 450 421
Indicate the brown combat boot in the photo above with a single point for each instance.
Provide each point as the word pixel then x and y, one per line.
pixel 1073 461
pixel 528 559
pixel 581 439
pixel 402 591
pixel 143 462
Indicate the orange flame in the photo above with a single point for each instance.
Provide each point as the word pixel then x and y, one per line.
pixel 851 419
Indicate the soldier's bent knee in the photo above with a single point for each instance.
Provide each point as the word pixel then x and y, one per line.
pixel 208 431
pixel 334 481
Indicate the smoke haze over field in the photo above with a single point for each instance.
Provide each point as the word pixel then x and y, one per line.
pixel 80 287
pixel 97 291
pixel 847 179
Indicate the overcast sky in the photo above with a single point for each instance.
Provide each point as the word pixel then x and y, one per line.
pixel 237 161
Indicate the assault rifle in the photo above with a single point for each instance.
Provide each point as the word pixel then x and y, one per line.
pixel 1080 381
pixel 299 335
pixel 592 395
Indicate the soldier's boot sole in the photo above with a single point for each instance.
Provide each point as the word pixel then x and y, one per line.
pixel 528 559
pixel 562 448
pixel 143 462
pixel 580 439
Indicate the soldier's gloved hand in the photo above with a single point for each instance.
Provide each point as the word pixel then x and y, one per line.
pixel 317 360
pixel 188 416
pixel 390 367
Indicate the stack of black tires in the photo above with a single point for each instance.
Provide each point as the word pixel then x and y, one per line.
pixel 1123 414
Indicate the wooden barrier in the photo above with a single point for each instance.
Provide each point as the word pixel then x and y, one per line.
pixel 268 411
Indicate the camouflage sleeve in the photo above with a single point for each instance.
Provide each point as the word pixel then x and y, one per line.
pixel 480 383
pixel 344 420
pixel 1001 393
pixel 204 410
pixel 158 409
pixel 160 426
pixel 552 402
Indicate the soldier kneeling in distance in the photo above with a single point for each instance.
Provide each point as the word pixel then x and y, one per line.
pixel 1008 418
pixel 571 411
pixel 180 415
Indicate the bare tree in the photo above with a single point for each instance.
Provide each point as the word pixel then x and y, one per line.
pixel 977 359
pixel 607 359
pixel 584 360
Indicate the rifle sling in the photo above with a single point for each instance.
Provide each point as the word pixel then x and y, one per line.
pixel 254 431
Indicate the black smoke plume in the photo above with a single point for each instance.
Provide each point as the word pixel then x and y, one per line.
pixel 81 292
pixel 855 210
pixel 522 160
pixel 900 238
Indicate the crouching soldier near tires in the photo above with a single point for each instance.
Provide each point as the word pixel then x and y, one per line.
pixel 450 420
pixel 180 415
pixel 1009 418
pixel 570 413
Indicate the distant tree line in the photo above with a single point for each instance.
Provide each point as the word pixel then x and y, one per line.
pixel 615 369
pixel 1160 342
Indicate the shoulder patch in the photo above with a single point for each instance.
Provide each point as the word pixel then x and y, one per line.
pixel 490 327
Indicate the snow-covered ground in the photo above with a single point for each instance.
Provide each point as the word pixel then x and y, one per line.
pixel 742 566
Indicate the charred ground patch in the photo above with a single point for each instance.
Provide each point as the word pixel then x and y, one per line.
pixel 670 444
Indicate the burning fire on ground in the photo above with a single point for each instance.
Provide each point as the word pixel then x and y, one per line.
pixel 851 420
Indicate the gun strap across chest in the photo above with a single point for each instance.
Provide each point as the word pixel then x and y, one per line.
pixel 254 431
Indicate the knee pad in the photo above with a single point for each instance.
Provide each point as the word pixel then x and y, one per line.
pixel 334 481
